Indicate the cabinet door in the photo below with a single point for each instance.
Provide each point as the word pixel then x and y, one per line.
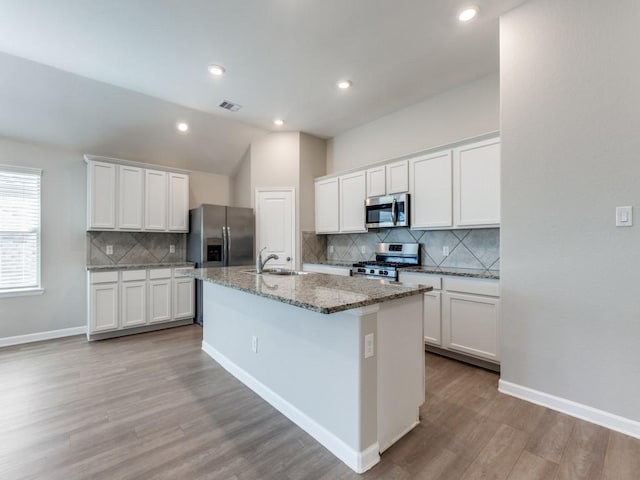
pixel 352 197
pixel 398 177
pixel 377 181
pixel 431 191
pixel 133 300
pixel 178 202
pixel 433 318
pixel 327 211
pixel 103 310
pixel 159 300
pixel 473 325
pixel 130 196
pixel 477 184
pixel 155 204
pixel 101 193
pixel 183 298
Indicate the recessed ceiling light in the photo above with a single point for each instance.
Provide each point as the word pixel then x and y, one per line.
pixel 344 84
pixel 278 121
pixel 216 69
pixel 182 127
pixel 468 13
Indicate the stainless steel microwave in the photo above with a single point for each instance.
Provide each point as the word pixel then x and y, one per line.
pixel 387 211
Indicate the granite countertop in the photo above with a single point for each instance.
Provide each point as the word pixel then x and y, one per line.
pixel 458 272
pixel 139 266
pixel 318 292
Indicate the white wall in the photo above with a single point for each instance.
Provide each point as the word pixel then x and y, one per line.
pixel 570 144
pixel 209 188
pixel 467 111
pixel 63 303
pixel 313 154
pixel 241 183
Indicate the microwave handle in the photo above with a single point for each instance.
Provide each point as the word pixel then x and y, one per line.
pixel 394 211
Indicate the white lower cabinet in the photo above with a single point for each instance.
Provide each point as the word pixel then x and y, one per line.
pixel 183 297
pixel 120 300
pixel 103 310
pixel 461 314
pixel 473 324
pixel 133 295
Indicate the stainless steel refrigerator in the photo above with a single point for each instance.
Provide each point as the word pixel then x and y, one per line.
pixel 219 236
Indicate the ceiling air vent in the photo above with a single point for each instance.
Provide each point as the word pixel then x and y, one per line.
pixel 234 107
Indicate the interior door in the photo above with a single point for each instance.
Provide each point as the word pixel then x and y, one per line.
pixel 275 213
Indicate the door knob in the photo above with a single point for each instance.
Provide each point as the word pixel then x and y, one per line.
pixel 288 259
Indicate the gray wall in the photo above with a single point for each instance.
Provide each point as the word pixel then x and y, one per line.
pixel 570 143
pixel 63 303
pixel 463 112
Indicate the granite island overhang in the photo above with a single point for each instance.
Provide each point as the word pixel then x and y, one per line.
pixel 342 357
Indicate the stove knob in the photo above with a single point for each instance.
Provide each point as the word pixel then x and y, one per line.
pixel 384 272
pixel 372 271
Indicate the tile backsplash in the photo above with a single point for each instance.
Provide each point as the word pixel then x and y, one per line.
pixel 469 248
pixel 135 248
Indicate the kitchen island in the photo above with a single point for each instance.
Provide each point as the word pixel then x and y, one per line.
pixel 342 357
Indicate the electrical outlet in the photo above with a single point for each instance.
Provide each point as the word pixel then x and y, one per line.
pixel 109 249
pixel 368 345
pixel 445 251
pixel 172 249
pixel 330 248
pixel 254 344
pixel 362 249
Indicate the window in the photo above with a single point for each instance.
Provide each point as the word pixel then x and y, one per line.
pixel 19 230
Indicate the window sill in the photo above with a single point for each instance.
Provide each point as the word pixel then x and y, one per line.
pixel 23 292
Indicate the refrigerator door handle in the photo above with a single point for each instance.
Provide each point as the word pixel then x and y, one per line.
pixel 225 259
pixel 228 245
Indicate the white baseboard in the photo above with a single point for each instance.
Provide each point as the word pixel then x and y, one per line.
pixel 578 410
pixel 40 336
pixel 359 462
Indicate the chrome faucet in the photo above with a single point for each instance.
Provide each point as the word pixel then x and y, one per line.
pixel 260 264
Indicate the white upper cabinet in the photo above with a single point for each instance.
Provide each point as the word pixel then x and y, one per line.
pixel 155 200
pixel 123 195
pixel 352 197
pixel 431 191
pixel 130 195
pixel 376 181
pixel 178 202
pixel 327 206
pixel 476 198
pixel 398 177
pixel 101 193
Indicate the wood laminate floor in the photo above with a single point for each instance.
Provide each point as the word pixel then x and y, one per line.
pixel 154 406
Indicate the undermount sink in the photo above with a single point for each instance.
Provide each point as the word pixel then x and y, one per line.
pixel 277 271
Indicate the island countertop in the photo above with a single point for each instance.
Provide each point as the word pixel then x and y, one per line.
pixel 318 292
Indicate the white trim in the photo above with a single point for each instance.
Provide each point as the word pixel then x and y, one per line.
pixel 359 462
pixel 130 163
pixel 578 410
pixel 18 169
pixel 40 336
pixel 21 292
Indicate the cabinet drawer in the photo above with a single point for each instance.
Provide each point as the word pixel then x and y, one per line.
pixel 180 272
pixel 159 273
pixel 134 275
pixel 104 277
pixel 476 286
pixel 434 281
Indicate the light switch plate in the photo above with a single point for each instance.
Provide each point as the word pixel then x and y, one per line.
pixel 172 249
pixel 624 216
pixel 445 251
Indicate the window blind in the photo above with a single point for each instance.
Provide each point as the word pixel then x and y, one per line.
pixel 19 228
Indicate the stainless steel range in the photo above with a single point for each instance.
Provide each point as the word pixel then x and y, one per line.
pixel 390 258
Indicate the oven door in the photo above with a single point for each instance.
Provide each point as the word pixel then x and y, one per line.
pixel 387 211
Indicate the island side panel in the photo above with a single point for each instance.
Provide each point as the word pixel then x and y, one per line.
pixel 313 361
pixel 401 373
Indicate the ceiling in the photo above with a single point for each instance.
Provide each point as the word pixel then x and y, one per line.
pixel 124 71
